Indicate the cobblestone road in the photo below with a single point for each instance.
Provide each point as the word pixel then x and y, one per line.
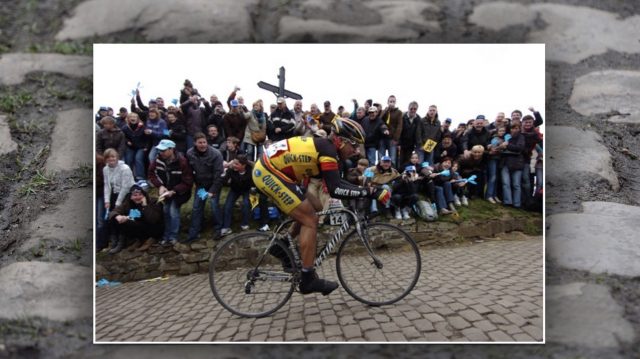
pixel 488 291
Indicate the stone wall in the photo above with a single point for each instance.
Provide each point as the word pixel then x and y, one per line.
pixel 186 259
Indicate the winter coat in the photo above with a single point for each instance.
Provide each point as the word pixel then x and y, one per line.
pixel 512 156
pixel 175 175
pixel 151 214
pixel 117 180
pixel 394 121
pixel 285 121
pixel 373 131
pixel 113 138
pixel 411 137
pixel 382 176
pixel 178 134
pixel 473 137
pixel 157 128
pixel 207 168
pixel 235 124
pixel 238 182
pixel 135 137
pixel 431 130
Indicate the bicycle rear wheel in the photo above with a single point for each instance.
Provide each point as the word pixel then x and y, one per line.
pixel 388 281
pixel 247 282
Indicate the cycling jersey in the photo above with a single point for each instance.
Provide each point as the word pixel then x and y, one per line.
pixel 285 164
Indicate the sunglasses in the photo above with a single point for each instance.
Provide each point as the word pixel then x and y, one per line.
pixel 351 142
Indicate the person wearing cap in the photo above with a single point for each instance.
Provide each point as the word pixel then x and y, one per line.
pixel 281 125
pixel 392 117
pixel 102 112
pixel 405 192
pixel 431 131
pixel 375 130
pixel 235 121
pixel 446 126
pixel 110 136
pixel 121 119
pixel 239 180
pixel 326 117
pixel 171 174
pixel 156 129
pixel 279 174
pixel 206 163
pixel 478 135
pixel 383 176
pixel 139 218
pixel 411 136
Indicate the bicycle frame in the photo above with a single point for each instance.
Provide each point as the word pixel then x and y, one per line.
pixel 336 238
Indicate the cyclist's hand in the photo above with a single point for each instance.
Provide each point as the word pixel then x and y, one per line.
pixel 382 195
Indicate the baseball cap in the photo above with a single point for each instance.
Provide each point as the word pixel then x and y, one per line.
pixel 123 109
pixel 448 120
pixel 104 108
pixel 280 100
pixel 164 144
pixel 373 109
pixel 385 158
pixel 480 117
pixel 410 168
pixel 152 101
pixel 234 103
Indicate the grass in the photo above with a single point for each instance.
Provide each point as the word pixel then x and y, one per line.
pixel 38 182
pixel 21 326
pixel 12 102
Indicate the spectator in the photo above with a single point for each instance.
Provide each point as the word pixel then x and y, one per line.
pixel 110 136
pixel 300 119
pixel 411 136
pixel 121 120
pixel 142 110
pixel 117 180
pixel 493 169
pixel 282 123
pixel 102 112
pixel 383 176
pixel 155 129
pixel 235 121
pixel 512 167
pixel 194 117
pixel 405 192
pixel 138 218
pixel 326 117
pixel 214 137
pixel 497 123
pixel 446 148
pixel 137 145
pixel 173 177
pixel 102 232
pixel 392 117
pixel 532 137
pixel 230 152
pixel 475 165
pixel 215 117
pixel 446 126
pixel 443 188
pixel 374 131
pixel 239 180
pixel 431 134
pixel 240 100
pixel 206 163
pixel 177 132
pixel 458 135
pixel 478 135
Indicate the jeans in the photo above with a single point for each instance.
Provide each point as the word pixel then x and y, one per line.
pixel 153 153
pixel 444 195
pixel 232 197
pixel 171 220
pixel 197 215
pixel 539 181
pixel 250 150
pixel 371 155
pixel 134 158
pixel 102 234
pixel 189 141
pixel 527 194
pixel 511 190
pixel 492 175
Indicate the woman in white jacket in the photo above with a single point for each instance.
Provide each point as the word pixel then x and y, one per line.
pixel 118 179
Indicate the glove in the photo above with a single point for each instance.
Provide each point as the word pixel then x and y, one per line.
pixel 382 195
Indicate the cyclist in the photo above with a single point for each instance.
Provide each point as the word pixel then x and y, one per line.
pixel 286 163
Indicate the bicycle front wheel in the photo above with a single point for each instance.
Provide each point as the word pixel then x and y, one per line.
pixel 245 280
pixel 389 279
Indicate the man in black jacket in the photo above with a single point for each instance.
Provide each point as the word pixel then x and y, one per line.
pixel 411 137
pixel 206 163
pixel 374 130
pixel 478 135
pixel 282 123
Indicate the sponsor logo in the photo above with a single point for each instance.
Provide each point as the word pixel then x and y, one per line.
pixel 257 173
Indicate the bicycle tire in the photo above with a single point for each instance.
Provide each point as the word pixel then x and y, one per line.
pixel 234 262
pixel 401 265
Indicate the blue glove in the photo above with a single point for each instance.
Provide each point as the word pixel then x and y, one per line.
pixel 165 132
pixel 444 173
pixel 507 137
pixel 202 193
pixel 495 141
pixel 472 179
pixel 174 101
pixel 134 213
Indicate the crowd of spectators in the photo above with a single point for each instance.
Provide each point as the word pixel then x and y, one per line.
pixel 199 149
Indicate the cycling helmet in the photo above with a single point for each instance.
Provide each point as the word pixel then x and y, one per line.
pixel 348 129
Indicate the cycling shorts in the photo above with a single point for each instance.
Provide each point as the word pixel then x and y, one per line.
pixel 284 192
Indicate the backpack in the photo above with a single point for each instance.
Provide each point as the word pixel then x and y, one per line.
pixel 426 211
